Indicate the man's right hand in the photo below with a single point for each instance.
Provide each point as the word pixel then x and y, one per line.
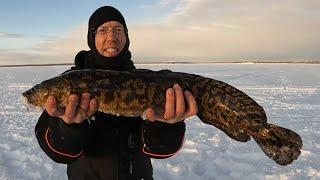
pixel 74 111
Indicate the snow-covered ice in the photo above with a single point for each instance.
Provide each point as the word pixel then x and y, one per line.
pixel 289 93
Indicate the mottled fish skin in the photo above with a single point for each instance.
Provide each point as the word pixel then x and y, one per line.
pixel 131 93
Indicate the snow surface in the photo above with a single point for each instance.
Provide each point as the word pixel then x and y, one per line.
pixel 290 94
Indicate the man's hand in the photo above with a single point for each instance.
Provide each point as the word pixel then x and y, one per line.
pixel 74 112
pixel 175 110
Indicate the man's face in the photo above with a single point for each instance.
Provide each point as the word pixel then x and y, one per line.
pixel 110 38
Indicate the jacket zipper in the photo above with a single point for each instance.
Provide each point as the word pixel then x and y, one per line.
pixel 116 159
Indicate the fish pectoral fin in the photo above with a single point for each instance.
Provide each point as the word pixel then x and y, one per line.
pixel 159 112
pixel 280 144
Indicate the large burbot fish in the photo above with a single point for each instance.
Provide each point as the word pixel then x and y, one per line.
pixel 131 93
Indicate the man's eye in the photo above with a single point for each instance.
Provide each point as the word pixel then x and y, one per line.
pixel 119 30
pixel 102 31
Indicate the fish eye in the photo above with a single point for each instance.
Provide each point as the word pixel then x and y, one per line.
pixel 45 93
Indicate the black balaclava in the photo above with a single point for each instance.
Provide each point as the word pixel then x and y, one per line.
pixel 123 60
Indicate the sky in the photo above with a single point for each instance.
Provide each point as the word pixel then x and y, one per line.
pixel 35 31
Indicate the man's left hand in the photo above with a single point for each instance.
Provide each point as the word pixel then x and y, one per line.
pixel 176 109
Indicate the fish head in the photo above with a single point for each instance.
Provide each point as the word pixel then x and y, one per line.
pixel 57 87
pixel 36 96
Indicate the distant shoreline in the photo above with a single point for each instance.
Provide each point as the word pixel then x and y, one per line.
pixel 177 62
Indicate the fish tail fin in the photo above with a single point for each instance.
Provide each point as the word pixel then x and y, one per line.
pixel 280 144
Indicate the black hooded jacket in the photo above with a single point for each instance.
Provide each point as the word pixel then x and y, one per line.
pixel 107 146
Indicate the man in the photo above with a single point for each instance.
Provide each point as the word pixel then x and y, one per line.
pixel 96 145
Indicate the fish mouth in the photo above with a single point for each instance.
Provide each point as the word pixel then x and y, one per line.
pixel 25 102
pixel 26 99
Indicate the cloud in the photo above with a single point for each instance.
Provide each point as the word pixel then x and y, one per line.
pixel 14 56
pixel 241 11
pixel 241 29
pixel 63 48
pixel 51 49
pixel 166 3
pixel 212 29
pixel 159 4
pixel 10 35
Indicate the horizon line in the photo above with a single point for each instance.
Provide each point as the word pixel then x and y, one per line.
pixel 177 62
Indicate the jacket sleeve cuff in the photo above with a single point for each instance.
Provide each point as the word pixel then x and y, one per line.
pixel 60 141
pixel 162 140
